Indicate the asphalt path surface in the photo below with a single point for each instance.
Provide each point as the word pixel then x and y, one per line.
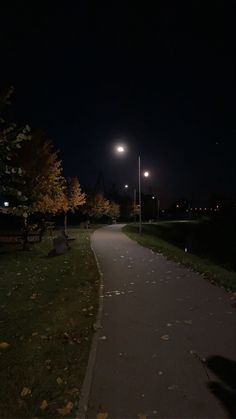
pixel 167 346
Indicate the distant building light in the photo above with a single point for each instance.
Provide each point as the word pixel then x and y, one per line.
pixel 205 209
pixel 200 209
pixel 177 205
pixel 126 186
pixel 6 204
pixel 217 206
pixel 195 209
pixel 153 197
pixel 191 209
pixel 187 210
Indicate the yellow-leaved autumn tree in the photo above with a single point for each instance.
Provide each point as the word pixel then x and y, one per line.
pixel 75 197
pixel 97 206
pixel 43 184
pixel 11 140
pixel 114 210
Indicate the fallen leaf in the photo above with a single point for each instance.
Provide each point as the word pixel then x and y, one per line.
pixel 44 405
pixel 25 392
pixel 173 387
pixel 102 415
pixel 59 380
pixel 63 411
pixel 4 345
pixel 165 337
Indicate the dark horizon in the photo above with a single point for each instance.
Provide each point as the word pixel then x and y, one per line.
pixel 161 80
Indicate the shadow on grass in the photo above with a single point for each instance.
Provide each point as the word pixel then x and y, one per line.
pixel 225 389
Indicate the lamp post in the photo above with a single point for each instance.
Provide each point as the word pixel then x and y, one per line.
pixel 158 206
pixel 121 149
pixel 139 195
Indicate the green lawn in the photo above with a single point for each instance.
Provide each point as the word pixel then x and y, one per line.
pixel 48 308
pixel 154 237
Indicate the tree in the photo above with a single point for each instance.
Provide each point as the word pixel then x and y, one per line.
pixel 11 140
pixel 75 197
pixel 114 210
pixel 97 206
pixel 43 184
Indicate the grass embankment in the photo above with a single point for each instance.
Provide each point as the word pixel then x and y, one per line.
pixel 48 307
pixel 151 238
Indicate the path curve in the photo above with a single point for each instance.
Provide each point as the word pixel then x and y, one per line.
pixel 167 336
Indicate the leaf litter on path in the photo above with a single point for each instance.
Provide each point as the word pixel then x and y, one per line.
pixel 165 337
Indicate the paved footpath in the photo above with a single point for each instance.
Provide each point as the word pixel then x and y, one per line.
pixel 167 348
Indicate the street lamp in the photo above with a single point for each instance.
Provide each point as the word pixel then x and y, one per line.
pixel 121 149
pixel 126 186
pixel 158 205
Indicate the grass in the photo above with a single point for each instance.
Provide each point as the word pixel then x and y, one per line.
pixel 212 271
pixel 48 307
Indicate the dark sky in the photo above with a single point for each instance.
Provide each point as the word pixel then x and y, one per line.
pixel 159 78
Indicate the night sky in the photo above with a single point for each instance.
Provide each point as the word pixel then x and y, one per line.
pixel 159 79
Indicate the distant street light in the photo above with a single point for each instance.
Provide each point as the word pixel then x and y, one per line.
pixel 126 186
pixel 121 149
pixel 158 205
pixel 6 204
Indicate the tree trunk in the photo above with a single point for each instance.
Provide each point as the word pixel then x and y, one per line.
pixel 25 233
pixel 65 223
pixel 41 229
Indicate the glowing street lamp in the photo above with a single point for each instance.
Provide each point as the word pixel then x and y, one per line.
pixel 121 149
pixel 126 186
pixel 6 204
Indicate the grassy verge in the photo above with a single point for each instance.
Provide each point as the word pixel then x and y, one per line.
pixel 48 307
pixel 211 271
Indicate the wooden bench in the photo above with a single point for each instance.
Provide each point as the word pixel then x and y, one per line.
pixel 17 237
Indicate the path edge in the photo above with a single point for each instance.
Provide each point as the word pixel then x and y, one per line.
pixel 86 387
